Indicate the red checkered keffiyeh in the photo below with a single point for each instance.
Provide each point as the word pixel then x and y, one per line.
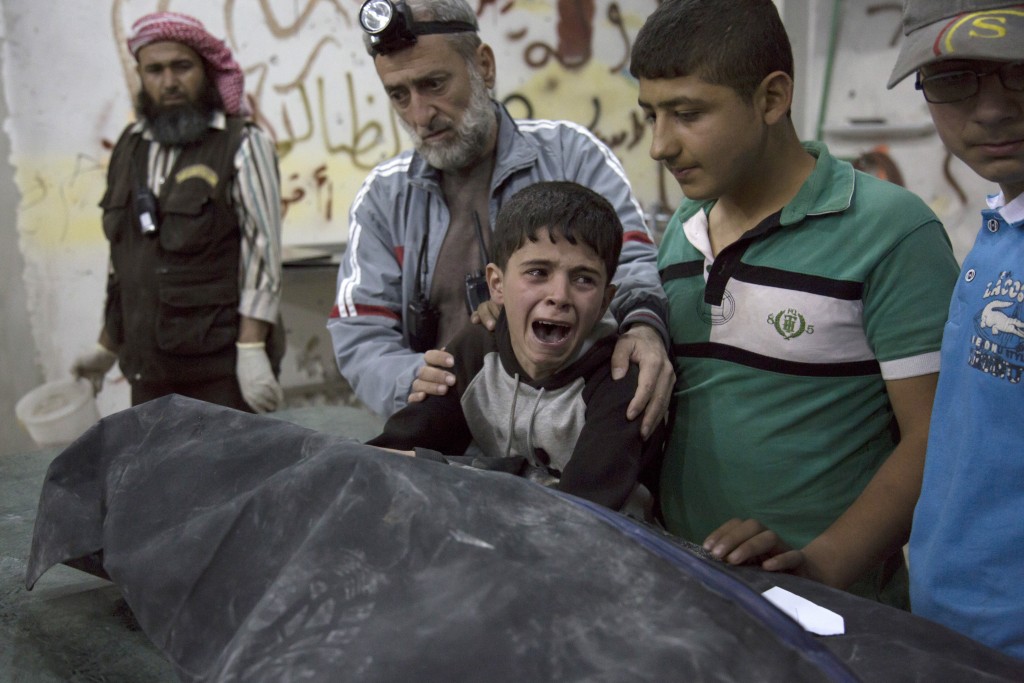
pixel 180 28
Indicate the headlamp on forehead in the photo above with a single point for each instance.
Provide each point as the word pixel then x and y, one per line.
pixel 391 27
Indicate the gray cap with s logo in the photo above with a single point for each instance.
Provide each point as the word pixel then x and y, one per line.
pixel 936 30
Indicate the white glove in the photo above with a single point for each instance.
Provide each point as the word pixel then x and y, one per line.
pixel 94 365
pixel 260 388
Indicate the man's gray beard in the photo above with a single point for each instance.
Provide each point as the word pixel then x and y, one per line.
pixel 471 135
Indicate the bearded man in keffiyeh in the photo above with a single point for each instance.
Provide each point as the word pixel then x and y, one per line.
pixel 192 212
pixel 219 84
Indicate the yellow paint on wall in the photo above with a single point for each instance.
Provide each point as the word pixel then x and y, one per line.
pixel 59 201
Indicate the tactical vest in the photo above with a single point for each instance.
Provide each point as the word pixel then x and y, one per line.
pixel 172 302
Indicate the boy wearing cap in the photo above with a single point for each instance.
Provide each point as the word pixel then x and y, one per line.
pixel 192 213
pixel 806 307
pixel 966 558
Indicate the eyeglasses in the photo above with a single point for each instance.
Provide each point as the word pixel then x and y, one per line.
pixel 955 86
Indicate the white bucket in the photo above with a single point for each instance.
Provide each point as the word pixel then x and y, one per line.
pixel 57 413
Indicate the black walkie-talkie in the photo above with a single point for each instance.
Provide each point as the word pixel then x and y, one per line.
pixel 143 200
pixel 477 290
pixel 145 210
pixel 423 318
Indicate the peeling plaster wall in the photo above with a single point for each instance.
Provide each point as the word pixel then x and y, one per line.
pixel 19 367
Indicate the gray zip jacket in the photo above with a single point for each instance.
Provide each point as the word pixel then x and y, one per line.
pixel 402 197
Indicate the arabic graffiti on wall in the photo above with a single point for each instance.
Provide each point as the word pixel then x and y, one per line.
pixel 70 83
pixel 314 90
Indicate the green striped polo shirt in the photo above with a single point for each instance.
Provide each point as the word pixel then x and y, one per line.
pixel 783 344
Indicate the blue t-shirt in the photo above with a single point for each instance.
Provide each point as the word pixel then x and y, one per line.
pixel 967 543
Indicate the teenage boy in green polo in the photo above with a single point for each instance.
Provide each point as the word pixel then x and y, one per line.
pixel 806 310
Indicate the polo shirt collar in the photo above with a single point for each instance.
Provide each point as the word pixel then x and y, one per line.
pixel 1013 212
pixel 829 188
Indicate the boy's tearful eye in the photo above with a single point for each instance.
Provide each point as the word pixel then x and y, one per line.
pixel 550 332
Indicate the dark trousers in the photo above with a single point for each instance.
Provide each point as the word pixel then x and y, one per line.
pixel 222 391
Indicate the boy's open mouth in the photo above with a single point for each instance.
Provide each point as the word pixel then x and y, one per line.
pixel 551 332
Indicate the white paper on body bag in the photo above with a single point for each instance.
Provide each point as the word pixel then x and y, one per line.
pixel 812 617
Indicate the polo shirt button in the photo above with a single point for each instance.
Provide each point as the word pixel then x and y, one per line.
pixel 993 225
pixel 969 275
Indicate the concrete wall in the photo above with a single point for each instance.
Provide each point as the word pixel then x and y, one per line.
pixel 846 104
pixel 19 366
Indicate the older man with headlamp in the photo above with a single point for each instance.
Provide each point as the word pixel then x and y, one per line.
pixel 420 225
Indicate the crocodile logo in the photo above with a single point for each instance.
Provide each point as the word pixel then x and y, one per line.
pixel 997 345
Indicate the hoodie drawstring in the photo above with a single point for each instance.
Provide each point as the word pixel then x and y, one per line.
pixel 530 452
pixel 512 418
pixel 531 457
